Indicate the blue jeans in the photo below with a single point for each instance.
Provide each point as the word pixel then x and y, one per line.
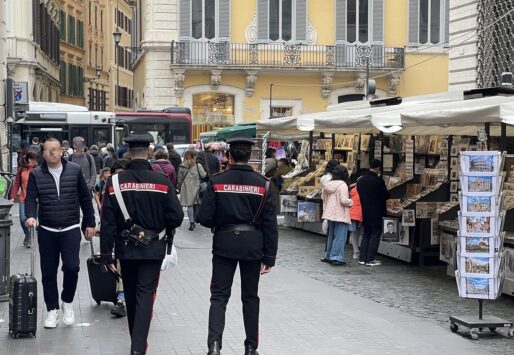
pixel 337 233
pixel 23 218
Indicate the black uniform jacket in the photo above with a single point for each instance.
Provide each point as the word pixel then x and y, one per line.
pixel 373 195
pixel 233 198
pixel 59 209
pixel 151 203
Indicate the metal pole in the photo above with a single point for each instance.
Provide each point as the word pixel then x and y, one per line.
pixel 9 115
pixel 270 99
pixel 117 75
pixel 367 78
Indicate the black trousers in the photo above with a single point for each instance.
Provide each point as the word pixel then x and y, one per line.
pixel 370 242
pixel 223 270
pixel 140 281
pixel 52 246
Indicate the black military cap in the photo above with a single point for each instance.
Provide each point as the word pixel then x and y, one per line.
pixel 139 138
pixel 240 138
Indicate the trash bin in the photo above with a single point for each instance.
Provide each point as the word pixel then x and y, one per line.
pixel 5 249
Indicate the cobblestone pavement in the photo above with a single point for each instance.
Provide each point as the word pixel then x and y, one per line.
pixel 302 311
pixel 426 293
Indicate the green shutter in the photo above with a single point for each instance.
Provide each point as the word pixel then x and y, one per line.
pixel 69 76
pixel 80 30
pixel 63 26
pixel 71 30
pixel 81 82
pixel 62 77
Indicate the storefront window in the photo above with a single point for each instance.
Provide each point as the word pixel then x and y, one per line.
pixel 213 109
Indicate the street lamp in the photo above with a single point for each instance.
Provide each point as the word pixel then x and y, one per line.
pixel 98 72
pixel 117 39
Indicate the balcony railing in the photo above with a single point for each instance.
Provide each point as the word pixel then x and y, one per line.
pixel 285 55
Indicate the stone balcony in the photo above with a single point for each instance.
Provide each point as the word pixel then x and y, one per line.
pixel 199 55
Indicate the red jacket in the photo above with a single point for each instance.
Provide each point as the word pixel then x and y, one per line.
pixel 355 210
pixel 21 181
pixel 164 167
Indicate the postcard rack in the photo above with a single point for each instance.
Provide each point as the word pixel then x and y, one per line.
pixel 480 263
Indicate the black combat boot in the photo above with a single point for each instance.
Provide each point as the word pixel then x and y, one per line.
pixel 192 226
pixel 214 349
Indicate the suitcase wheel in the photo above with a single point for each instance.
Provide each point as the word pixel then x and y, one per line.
pixel 98 302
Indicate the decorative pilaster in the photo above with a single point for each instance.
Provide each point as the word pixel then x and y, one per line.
pixel 215 79
pixel 180 76
pixel 251 78
pixel 394 81
pixel 326 81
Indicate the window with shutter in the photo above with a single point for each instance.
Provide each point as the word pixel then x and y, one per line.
pixel 63 25
pixel 262 19
pixel 62 77
pixel 286 20
pixel 428 22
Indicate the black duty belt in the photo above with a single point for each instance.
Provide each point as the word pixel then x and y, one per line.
pixel 237 228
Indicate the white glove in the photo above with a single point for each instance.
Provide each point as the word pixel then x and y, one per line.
pixel 170 260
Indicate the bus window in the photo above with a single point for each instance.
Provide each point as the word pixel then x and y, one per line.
pixel 101 136
pixel 79 132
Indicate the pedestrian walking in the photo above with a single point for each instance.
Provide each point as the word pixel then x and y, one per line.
pixel 173 156
pixel 162 165
pixel 270 163
pixel 336 210
pixel 373 196
pixel 111 157
pixel 239 205
pixel 99 161
pixel 355 227
pixel 212 163
pixel 188 183
pixel 139 214
pixel 105 173
pixel 85 161
pixel 56 192
pixel 19 190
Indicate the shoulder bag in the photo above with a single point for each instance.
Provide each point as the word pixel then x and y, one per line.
pixel 203 180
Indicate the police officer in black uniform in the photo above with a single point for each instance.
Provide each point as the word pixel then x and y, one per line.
pixel 239 206
pixel 141 241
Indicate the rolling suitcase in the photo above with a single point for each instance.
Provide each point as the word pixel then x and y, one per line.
pixel 23 299
pixel 102 282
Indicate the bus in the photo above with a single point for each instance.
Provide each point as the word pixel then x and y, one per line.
pixel 64 122
pixel 171 125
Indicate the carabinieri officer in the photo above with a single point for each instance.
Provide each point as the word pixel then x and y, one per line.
pixel 239 205
pixel 140 235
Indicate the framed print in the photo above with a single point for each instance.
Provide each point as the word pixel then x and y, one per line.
pixel 356 143
pixel 454 197
pixel 433 147
pixel 454 163
pixel 404 236
pixel 364 143
pixel 434 231
pixel 454 151
pixel 454 174
pixel 447 247
pixel 288 203
pixel 390 231
pixel 409 218
pixel 308 211
pixel 454 186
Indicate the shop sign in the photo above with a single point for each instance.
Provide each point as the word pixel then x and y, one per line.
pixel 21 93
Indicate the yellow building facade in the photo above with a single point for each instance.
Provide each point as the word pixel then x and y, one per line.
pixel 97 76
pixel 235 61
pixel 72 52
pixel 120 55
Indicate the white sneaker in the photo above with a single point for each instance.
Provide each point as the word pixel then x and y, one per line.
pixel 68 317
pixel 377 262
pixel 373 263
pixel 52 319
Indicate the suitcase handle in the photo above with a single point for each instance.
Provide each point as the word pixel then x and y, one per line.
pixel 32 233
pixel 32 303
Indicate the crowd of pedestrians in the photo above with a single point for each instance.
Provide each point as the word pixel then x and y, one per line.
pixel 354 205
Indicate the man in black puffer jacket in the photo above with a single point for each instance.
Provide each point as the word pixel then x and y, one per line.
pixel 56 191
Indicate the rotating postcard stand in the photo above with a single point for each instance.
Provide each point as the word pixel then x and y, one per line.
pixel 479 256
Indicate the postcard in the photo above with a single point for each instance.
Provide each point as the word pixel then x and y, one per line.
pixel 478 225
pixel 481 204
pixel 288 203
pixel 409 218
pixel 480 246
pixel 308 211
pixel 480 163
pixel 447 247
pixel 477 265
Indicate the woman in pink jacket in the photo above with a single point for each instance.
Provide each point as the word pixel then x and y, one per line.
pixel 336 210
pixel 356 216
